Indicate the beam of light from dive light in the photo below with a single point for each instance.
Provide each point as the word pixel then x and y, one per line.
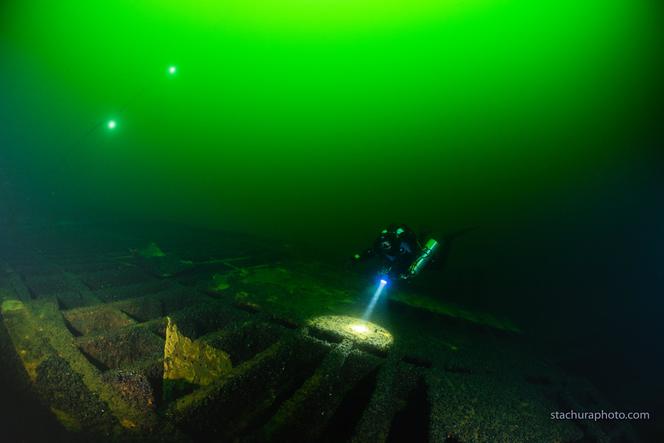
pixel 374 299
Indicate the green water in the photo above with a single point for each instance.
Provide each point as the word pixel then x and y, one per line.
pixel 289 117
pixel 318 122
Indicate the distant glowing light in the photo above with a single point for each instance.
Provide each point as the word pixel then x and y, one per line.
pixel 172 70
pixel 112 124
pixel 360 329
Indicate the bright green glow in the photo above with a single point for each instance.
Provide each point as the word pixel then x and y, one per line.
pixel 298 16
pixel 361 112
pixel 112 124
pixel 172 70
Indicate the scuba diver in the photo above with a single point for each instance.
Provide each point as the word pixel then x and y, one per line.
pixel 398 253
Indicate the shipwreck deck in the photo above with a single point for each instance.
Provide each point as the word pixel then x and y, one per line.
pixel 257 348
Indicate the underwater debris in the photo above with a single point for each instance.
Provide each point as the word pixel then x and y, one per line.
pixel 95 320
pixel 188 362
pixel 133 386
pixel 150 251
pixel 160 360
pixel 274 289
pixel 439 307
pixel 69 397
pixel 121 348
pixel 220 282
pixel 155 261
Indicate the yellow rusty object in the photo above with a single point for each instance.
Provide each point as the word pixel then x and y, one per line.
pixel 192 361
pixel 128 424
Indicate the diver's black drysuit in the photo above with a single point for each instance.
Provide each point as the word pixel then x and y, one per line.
pixel 397 248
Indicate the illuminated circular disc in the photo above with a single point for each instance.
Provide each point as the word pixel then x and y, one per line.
pixel 112 124
pixel 172 70
pixel 360 331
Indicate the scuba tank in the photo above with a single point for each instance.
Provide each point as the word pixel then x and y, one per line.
pixel 428 251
